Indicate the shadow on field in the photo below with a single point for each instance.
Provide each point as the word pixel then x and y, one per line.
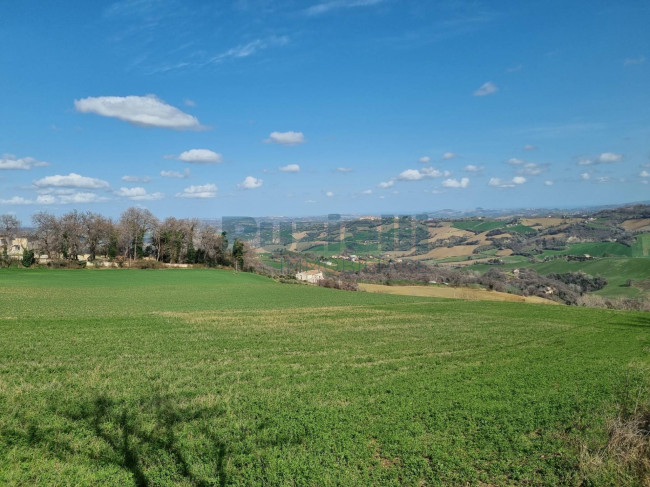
pixel 130 441
pixel 138 439
pixel 156 440
pixel 635 321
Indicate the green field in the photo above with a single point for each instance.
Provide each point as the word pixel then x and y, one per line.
pixel 640 248
pixel 520 229
pixel 617 271
pixel 205 377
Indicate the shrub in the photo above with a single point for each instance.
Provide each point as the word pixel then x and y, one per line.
pixel 343 284
pixel 28 258
pixel 147 264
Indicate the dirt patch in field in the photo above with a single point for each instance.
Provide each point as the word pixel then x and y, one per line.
pixel 358 316
pixel 636 224
pixel 544 222
pixel 504 252
pixel 642 284
pixel 444 252
pixel 446 231
pixel 452 292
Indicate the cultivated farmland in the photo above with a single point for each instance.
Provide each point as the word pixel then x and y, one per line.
pixel 205 377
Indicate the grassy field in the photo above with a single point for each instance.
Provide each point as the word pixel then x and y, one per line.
pixel 202 377
pixel 520 229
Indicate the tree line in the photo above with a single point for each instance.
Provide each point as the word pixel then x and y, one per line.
pixel 137 235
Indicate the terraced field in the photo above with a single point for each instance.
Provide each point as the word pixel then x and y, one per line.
pixel 202 377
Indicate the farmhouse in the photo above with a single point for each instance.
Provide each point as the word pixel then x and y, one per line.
pixel 311 277
pixel 15 245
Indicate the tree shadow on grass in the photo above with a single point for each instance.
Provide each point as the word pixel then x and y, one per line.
pixel 641 320
pixel 131 436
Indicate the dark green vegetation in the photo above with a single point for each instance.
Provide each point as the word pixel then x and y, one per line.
pixel 204 377
pixel 625 276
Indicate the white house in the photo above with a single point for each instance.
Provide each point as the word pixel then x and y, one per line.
pixel 311 277
pixel 14 245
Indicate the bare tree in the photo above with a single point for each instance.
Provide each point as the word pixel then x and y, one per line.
pixel 9 225
pixel 46 233
pixel 210 246
pixel 174 240
pixel 169 239
pixel 134 224
pixel 72 235
pixel 97 232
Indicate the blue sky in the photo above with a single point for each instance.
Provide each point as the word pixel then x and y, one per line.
pixel 257 107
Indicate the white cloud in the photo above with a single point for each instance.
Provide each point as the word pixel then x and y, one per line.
pixel 64 199
pixel 250 48
pixel 411 175
pixel 386 184
pixel 17 200
pixel 530 147
pixel 201 191
pixel 486 89
pixel 72 180
pixel 136 179
pixel 448 156
pixel 424 159
pixel 473 168
pixel 345 169
pixel 77 198
pixel 45 199
pixel 418 174
pixel 175 174
pixel 329 194
pixel 189 103
pixel 455 183
pixel 40 200
pixel 515 161
pixel 286 138
pixel 367 191
pixel 56 191
pixel 506 183
pixel 324 7
pixel 290 168
pixel 144 111
pixel 548 183
pixel 532 169
pixel 585 176
pixel 609 157
pixel 631 61
pixel 250 183
pixel 138 194
pixel 200 156
pixel 645 174
pixel 9 162
pixel 604 158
